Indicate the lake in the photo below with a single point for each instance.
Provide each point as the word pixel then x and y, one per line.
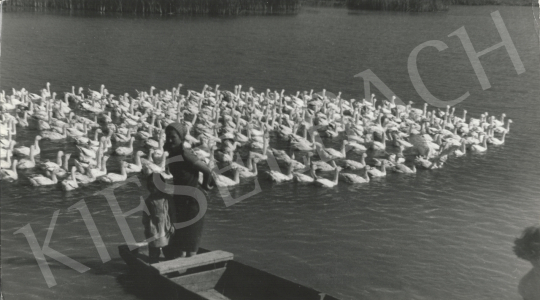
pixel 439 234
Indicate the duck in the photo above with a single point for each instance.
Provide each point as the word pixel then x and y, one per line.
pixel 353 178
pixel 135 167
pixel 27 163
pixel 10 174
pixel 113 177
pixel 125 150
pixel 44 181
pixel 71 183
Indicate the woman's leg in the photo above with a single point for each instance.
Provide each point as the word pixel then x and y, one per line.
pixel 189 238
pixel 172 250
pixel 153 254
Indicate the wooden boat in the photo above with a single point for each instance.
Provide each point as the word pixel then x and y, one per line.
pixel 213 275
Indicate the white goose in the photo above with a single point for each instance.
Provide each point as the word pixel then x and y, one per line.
pixel 224 181
pixel 250 171
pixel 10 174
pixel 25 151
pixel 353 164
pixel 113 177
pixel 496 141
pixel 6 163
pixel 353 178
pixel 136 167
pixel 149 167
pixel 123 138
pixel 24 120
pixel 27 163
pixel 63 172
pixel 462 150
pixel 125 150
pixel 480 148
pixel 501 129
pixel 331 153
pixel 52 135
pixel 376 172
pixel 100 170
pixel 71 183
pixel 50 166
pixel 85 178
pixel 43 181
pixel 277 176
pixel 379 146
pixel 9 129
pixel 6 143
pixel 74 132
pixel 83 140
pixel 327 182
pixel 300 177
pixel 402 168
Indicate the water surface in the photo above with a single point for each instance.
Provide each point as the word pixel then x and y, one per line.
pixel 441 234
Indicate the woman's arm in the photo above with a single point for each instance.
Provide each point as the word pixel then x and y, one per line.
pixel 208 179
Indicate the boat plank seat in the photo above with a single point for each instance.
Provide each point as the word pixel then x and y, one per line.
pixel 198 260
pixel 212 294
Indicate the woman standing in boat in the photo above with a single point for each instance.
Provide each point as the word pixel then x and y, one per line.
pixel 185 168
pixel 527 247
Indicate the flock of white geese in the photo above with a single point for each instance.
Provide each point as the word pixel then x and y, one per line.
pixel 229 127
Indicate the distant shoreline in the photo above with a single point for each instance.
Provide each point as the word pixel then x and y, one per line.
pixel 343 3
pixel 250 7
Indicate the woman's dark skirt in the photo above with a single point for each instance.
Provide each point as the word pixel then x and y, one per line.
pixel 187 239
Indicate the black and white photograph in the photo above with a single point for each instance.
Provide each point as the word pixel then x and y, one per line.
pixel 270 149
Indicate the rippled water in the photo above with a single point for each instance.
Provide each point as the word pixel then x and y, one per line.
pixel 441 234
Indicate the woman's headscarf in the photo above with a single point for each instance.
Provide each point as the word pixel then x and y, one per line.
pixel 180 128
